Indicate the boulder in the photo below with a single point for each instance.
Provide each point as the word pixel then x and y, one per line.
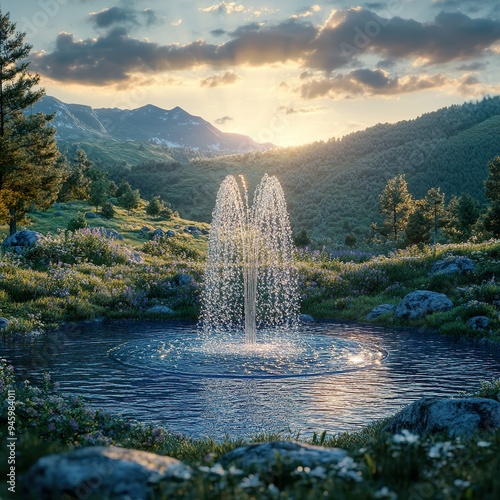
pixel 158 233
pixel 419 303
pixel 146 229
pixel 306 318
pixel 379 310
pixel 101 472
pixel 457 417
pixel 478 322
pixel 453 265
pixel 21 240
pixel 170 233
pixel 205 231
pixel 90 215
pixel 109 233
pixel 184 279
pixel 289 454
pixel 3 323
pixel 160 310
pixel 177 226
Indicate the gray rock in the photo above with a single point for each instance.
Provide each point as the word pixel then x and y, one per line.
pixel 196 233
pixel 3 323
pixel 306 318
pixel 419 303
pixel 205 231
pixel 102 472
pixel 193 228
pixel 146 229
pixel 177 226
pixel 186 230
pixel 184 279
pixel 170 233
pixel 379 310
pixel 478 322
pixel 453 265
pixel 289 454
pixel 160 310
pixel 21 240
pixel 109 233
pixel 158 233
pixel 90 215
pixel 457 417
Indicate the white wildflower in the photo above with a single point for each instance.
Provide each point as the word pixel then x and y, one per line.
pixel 460 483
pixel 385 492
pixel 252 481
pixel 483 444
pixel 406 437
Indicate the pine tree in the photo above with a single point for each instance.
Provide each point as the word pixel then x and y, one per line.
pixel 98 193
pixel 492 183
pixel 419 225
pixel 434 211
pixel 396 204
pixel 28 150
pixel 78 182
pixel 155 206
pixel 130 199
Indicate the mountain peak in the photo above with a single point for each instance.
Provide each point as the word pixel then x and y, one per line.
pixel 174 128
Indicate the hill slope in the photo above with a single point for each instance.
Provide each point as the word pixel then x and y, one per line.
pixel 332 187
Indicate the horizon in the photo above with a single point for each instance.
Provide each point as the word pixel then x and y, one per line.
pixel 281 72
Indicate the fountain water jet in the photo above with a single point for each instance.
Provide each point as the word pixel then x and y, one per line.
pixel 250 278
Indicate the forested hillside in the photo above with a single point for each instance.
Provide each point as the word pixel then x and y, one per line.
pixel 333 187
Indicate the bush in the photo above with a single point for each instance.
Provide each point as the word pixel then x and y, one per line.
pixel 84 245
pixel 108 210
pixel 77 222
pixel 171 247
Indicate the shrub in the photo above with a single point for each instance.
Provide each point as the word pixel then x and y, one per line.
pixel 171 247
pixel 77 222
pixel 108 210
pixel 85 245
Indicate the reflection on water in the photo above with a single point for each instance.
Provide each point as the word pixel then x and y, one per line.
pixel 418 364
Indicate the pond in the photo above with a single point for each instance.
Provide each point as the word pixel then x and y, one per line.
pixel 411 364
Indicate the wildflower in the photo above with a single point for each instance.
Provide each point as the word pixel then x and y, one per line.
pixel 216 469
pixel 483 444
pixel 406 437
pixel 252 481
pixel 385 492
pixel 460 483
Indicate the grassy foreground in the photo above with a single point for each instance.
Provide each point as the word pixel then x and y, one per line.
pixel 378 465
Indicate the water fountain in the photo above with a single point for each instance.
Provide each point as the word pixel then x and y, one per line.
pixel 250 278
pixel 249 315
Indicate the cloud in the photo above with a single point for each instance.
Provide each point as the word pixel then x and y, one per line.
pixel 362 82
pixel 224 8
pixel 288 110
pixel 227 78
pixel 314 9
pixel 122 16
pixel 218 32
pixel 349 34
pixel 342 41
pixel 475 66
pixel 223 120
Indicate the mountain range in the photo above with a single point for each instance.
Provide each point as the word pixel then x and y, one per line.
pixel 174 128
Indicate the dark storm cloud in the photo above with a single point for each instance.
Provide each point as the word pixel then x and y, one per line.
pixel 218 32
pixel 341 42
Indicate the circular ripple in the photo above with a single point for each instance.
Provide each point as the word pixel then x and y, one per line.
pixel 273 356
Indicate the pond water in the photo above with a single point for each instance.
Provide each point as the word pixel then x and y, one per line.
pixel 412 364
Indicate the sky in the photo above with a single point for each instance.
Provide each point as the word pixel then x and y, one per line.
pixel 284 71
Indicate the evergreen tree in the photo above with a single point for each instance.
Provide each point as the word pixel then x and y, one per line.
pixel 78 182
pixel 130 199
pixel 492 183
pixel 419 225
pixel 434 211
pixel 98 192
pixel 396 204
pixel 108 210
pixel 492 188
pixel 461 214
pixel 155 206
pixel 28 150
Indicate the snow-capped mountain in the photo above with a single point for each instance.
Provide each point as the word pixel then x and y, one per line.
pixel 174 128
